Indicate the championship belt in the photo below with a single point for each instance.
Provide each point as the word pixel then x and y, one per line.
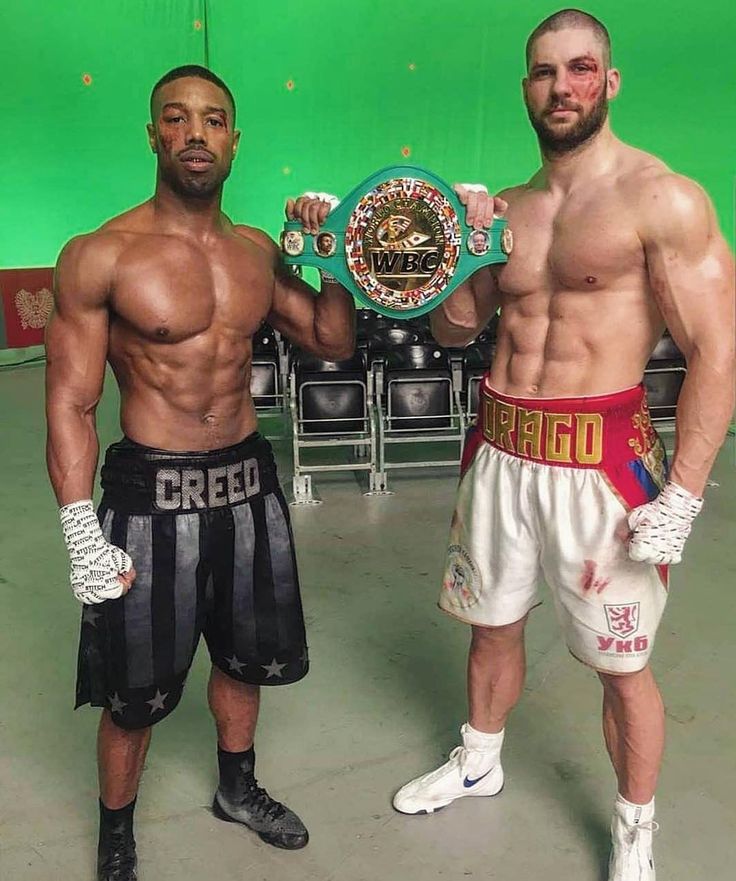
pixel 397 242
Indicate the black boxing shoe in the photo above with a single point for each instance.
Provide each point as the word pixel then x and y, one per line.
pixel 239 799
pixel 116 856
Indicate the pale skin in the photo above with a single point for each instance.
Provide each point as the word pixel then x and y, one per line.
pixel 170 294
pixel 610 247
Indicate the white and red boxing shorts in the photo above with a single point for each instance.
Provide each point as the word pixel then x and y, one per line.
pixel 545 490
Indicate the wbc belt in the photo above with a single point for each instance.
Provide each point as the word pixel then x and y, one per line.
pixel 397 242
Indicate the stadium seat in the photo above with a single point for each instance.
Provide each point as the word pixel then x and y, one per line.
pixel 665 372
pixel 265 380
pixel 476 362
pixel 417 403
pixel 331 407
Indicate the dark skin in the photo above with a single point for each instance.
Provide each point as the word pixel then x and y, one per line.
pixel 170 293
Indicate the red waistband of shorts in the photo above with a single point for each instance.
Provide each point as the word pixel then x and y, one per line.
pixel 586 432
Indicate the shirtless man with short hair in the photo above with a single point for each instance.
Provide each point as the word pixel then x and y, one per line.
pixel 193 535
pixel 564 475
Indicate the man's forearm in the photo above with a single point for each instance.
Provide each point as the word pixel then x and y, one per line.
pixel 72 449
pixel 334 321
pixel 704 411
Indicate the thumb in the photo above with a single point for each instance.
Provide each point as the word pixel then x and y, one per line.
pixel 127 578
pixel 623 532
pixel 462 193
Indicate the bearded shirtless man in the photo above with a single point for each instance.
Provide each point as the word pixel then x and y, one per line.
pixel 193 535
pixel 564 476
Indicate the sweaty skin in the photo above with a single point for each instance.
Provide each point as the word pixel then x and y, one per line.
pixel 181 314
pixel 577 312
pixel 171 293
pixel 609 248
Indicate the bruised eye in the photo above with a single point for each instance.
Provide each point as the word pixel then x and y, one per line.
pixel 173 118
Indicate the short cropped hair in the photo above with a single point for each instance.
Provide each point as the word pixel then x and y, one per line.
pixel 572 18
pixel 195 70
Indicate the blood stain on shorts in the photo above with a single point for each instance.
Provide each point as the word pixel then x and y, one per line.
pixel 589 581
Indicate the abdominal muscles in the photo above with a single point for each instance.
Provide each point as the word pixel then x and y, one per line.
pixel 193 395
pixel 573 343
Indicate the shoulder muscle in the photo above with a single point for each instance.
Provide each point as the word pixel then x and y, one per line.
pixel 674 210
pixel 85 270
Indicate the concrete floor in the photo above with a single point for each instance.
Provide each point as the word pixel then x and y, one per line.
pixel 383 702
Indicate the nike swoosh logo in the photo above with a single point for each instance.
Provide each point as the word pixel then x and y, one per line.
pixel 467 783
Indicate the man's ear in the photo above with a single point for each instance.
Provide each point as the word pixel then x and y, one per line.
pixel 613 83
pixel 150 128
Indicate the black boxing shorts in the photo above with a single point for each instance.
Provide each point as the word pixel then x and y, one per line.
pixel 211 543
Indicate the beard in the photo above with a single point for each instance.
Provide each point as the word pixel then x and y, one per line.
pixel 194 185
pixel 556 141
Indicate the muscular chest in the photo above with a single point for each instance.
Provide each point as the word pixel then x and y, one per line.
pixel 170 290
pixel 585 243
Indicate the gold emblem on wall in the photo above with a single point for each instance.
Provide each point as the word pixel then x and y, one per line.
pixel 34 307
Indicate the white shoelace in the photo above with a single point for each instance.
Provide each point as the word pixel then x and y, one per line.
pixel 459 753
pixel 633 830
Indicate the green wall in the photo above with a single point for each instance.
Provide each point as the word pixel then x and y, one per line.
pixel 369 78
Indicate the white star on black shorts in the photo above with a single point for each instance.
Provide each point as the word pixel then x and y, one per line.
pixel 116 705
pixel 274 669
pixel 90 616
pixel 157 703
pixel 235 664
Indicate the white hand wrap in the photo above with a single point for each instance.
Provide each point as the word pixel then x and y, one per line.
pixel 324 197
pixel 475 188
pixel 96 564
pixel 659 528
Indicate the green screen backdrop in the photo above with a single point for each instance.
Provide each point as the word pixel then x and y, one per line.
pixel 327 93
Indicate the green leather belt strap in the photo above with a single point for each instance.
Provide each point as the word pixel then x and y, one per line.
pixel 398 243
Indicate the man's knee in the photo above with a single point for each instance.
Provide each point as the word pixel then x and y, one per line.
pixel 112 728
pixel 625 685
pixel 502 635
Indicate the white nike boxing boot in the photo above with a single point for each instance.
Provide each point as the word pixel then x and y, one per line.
pixel 631 832
pixel 473 769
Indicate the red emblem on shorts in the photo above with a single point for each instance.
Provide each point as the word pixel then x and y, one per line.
pixel 623 620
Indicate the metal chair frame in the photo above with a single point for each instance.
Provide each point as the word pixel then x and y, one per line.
pixel 301 439
pixel 664 424
pixel 387 434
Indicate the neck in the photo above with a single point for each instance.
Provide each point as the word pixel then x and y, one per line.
pixel 187 214
pixel 591 159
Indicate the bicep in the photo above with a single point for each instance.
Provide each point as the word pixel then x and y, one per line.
pixel 292 301
pixel 76 352
pixel 292 305
pixel 77 332
pixel 467 310
pixel 486 293
pixel 691 275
